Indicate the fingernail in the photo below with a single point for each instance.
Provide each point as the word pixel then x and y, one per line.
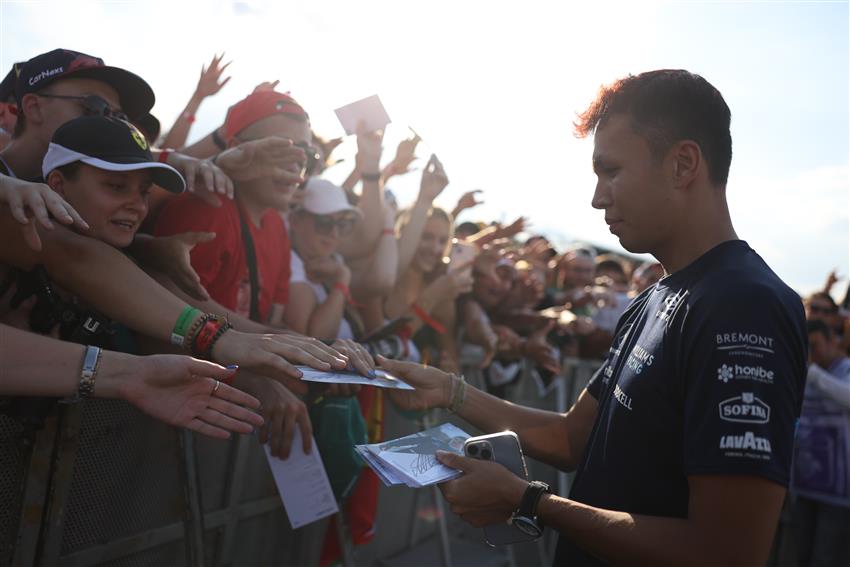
pixel 232 367
pixel 372 374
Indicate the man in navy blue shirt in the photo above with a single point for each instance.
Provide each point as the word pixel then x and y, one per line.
pixel 682 441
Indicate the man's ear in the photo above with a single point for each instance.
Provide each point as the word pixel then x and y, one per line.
pixel 31 108
pixel 56 181
pixel 686 157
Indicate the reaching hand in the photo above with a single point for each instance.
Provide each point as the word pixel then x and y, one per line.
pixel 190 393
pixel 368 157
pixel 538 349
pixel 211 178
pixel 281 410
pixel 358 356
pixel 266 86
pixel 209 84
pixel 467 201
pixel 171 255
pixel 28 201
pixel 434 180
pixel 405 155
pixel 273 157
pixel 433 386
pixel 274 355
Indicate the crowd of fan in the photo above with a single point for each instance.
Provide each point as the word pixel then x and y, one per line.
pixel 261 263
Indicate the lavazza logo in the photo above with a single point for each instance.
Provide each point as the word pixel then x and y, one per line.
pixel 728 372
pixel 746 408
pixel 746 442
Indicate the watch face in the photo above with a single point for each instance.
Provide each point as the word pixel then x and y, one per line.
pixel 527 526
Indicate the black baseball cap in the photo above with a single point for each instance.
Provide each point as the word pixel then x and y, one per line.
pixel 136 95
pixel 7 87
pixel 106 142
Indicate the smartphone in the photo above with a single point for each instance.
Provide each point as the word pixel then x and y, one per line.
pixel 462 256
pixel 503 448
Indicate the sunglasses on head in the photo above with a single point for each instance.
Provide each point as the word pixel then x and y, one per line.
pixel 325 224
pixel 93 105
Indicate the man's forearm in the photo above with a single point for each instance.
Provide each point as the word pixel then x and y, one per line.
pixel 622 538
pixel 543 434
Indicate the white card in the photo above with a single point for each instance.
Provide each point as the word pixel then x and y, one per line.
pixel 382 378
pixel 368 110
pixel 302 483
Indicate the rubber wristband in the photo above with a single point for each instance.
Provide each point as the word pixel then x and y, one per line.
pixel 181 327
pixel 346 293
pixel 388 232
pixel 370 177
pixel 163 156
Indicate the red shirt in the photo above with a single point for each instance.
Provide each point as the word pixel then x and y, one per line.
pixel 221 263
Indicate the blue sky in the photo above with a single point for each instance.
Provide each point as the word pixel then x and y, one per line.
pixel 494 86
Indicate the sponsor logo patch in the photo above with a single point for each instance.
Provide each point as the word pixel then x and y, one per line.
pixel 729 372
pixel 747 445
pixel 744 344
pixel 746 408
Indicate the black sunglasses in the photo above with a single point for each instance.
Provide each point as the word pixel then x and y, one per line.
pixel 325 224
pixel 93 105
pixel 312 153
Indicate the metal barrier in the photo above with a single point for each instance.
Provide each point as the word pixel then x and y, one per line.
pixel 103 484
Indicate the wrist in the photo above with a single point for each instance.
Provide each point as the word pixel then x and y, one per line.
pixel 116 373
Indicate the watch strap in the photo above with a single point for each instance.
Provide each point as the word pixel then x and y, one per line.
pixel 528 505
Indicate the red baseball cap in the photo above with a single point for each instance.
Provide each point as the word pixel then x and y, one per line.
pixel 257 106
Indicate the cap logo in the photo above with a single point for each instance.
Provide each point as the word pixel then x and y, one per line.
pixel 84 62
pixel 45 74
pixel 138 137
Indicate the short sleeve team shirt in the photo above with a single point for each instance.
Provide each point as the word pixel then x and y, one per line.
pixel 705 376
pixel 222 264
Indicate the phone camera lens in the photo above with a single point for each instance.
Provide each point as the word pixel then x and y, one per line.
pixel 486 454
pixel 473 450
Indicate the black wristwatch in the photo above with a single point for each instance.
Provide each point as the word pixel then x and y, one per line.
pixel 525 518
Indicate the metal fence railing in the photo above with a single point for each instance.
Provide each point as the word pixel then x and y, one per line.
pixel 103 484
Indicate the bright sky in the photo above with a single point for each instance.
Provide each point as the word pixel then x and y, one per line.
pixel 493 88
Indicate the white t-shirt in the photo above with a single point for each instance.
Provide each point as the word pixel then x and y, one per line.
pixel 299 275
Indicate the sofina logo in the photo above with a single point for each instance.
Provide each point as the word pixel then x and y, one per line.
pixel 746 408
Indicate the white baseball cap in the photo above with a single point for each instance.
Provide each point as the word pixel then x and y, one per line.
pixel 321 197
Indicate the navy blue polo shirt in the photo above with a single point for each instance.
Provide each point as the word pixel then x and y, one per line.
pixel 705 377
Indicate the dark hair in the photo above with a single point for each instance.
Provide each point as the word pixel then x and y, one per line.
pixel 667 106
pixel 818 326
pixel 610 262
pixel 70 170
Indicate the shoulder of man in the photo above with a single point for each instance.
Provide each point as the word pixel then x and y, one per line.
pixel 189 213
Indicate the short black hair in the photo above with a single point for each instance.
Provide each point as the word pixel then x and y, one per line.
pixel 667 106
pixel 818 326
pixel 70 170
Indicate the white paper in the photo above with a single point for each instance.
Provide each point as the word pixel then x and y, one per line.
pixel 302 483
pixel 382 379
pixel 369 110
pixel 411 459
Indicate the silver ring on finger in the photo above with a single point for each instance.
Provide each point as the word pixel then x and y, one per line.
pixel 215 388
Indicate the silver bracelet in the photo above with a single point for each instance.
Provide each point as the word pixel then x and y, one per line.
pixel 459 395
pixel 88 375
